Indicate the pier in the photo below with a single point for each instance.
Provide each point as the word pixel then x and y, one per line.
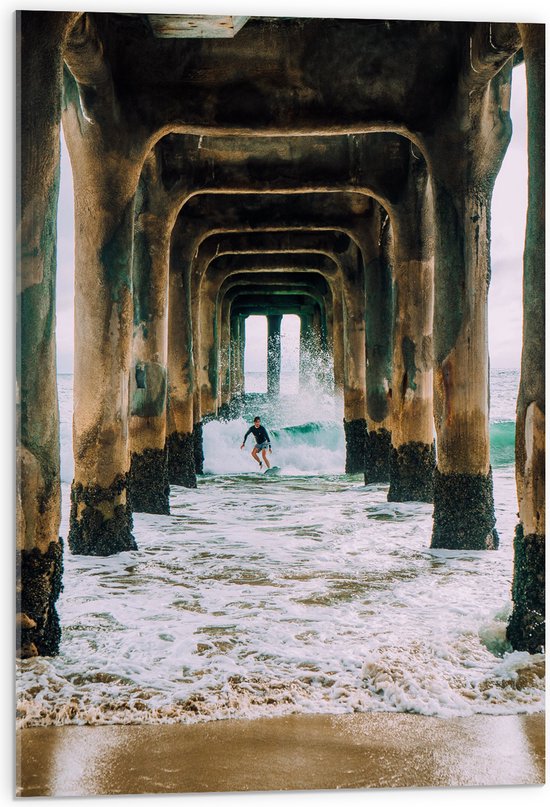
pixel 215 180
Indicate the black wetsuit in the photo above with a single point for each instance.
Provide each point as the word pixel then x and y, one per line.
pixel 260 435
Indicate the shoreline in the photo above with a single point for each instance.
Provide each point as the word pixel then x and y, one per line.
pixel 292 753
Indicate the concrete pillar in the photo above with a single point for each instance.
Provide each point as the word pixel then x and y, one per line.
pixel 242 346
pixel 225 358
pixel 526 628
pixel 236 389
pixel 39 549
pixel 181 382
pixel 375 238
pixel 412 456
pixel 101 518
pixel 106 171
pixel 463 173
pixel 353 299
pixel 198 450
pixel 274 354
pixel 149 485
pixel 338 337
pixel 208 369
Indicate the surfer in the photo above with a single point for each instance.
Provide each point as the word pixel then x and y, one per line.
pixel 262 442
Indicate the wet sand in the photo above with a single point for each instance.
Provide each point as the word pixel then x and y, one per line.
pixel 302 752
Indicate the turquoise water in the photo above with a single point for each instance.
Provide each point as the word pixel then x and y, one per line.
pixel 315 420
pixel 502 435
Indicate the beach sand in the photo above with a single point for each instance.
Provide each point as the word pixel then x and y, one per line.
pixel 300 752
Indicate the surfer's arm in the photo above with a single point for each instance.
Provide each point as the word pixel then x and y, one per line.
pixel 244 438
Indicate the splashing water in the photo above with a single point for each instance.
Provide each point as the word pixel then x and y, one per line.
pixel 305 592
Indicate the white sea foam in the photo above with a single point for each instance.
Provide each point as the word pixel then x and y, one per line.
pixel 297 593
pixel 316 448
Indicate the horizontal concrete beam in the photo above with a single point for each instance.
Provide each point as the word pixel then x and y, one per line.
pixel 195 26
pixel 396 76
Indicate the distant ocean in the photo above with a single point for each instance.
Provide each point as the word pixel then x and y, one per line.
pixel 304 592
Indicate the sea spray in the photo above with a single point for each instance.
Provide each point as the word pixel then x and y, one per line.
pixel 309 448
pixel 305 593
pixel 306 432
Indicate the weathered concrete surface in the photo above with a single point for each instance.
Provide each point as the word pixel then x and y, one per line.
pixel 375 163
pixel 464 168
pixel 355 432
pixel 198 452
pixel 526 629
pixel 181 380
pixel 370 90
pixel 224 351
pixel 377 455
pixel 40 40
pixel 465 513
pixel 148 374
pixel 180 449
pixel 376 239
pixel 355 355
pixel 106 165
pixel 412 467
pixel 412 458
pixel 274 354
pixel 236 388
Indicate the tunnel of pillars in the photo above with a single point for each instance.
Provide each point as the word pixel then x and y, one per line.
pixel 343 173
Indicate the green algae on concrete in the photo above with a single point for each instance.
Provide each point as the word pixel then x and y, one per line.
pixel 377 456
pixel 149 391
pixel 148 486
pixel 181 459
pixel 38 625
pixel 464 512
pixel 526 626
pixel 355 434
pixel 411 473
pixel 116 256
pixel 101 519
pixel 198 451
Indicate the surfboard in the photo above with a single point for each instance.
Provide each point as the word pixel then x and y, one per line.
pixel 271 471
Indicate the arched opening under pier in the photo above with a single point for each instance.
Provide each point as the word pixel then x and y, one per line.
pixel 255 357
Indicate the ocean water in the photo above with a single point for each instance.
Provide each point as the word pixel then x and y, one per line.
pixel 303 592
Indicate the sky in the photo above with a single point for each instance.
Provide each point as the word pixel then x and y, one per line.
pixel 507 240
